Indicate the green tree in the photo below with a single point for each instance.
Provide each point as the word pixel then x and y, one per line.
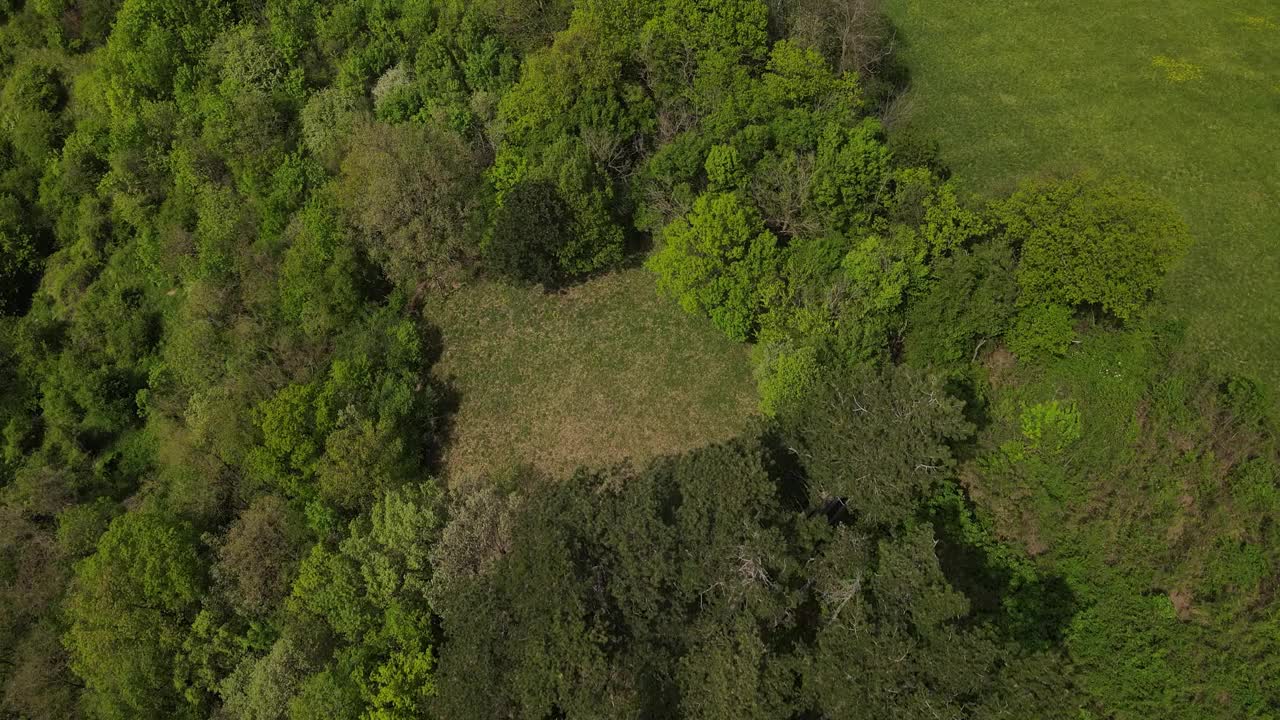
pixel 412 192
pixel 259 555
pixel 968 302
pixel 129 609
pixel 531 234
pixel 1083 242
pixel 721 262
pixel 372 592
pixel 877 443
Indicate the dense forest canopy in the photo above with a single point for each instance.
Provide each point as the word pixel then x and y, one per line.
pixel 989 477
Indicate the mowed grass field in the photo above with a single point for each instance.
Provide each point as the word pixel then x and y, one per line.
pixel 1181 94
pixel 604 372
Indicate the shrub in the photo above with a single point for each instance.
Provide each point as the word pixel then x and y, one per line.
pixel 1041 330
pixel 1051 426
pixel 785 377
pixel 1082 242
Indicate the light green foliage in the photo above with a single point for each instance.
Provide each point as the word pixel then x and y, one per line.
pixel 1051 426
pixel 852 166
pixel 372 592
pixel 686 41
pixel 128 610
pixel 724 168
pixel 1039 330
pixel 326 695
pixel 720 261
pixel 796 76
pixel 880 269
pixel 947 225
pixel 1084 242
pixel 786 377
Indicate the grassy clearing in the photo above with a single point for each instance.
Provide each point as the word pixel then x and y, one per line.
pixel 600 373
pixel 1182 94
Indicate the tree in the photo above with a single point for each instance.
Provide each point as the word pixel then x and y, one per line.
pixel 721 262
pixel 854 35
pixel 531 234
pixel 968 301
pixel 852 167
pixel 372 592
pixel 412 192
pixel 328 120
pixel 529 25
pixel 875 443
pixel 1083 242
pixel 259 556
pixel 129 608
pixel 705 585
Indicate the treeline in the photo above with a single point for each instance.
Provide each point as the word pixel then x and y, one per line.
pixel 220 429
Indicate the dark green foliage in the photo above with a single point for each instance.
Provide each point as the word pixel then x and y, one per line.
pixel 694 589
pixel 875 443
pixel 967 305
pixel 532 231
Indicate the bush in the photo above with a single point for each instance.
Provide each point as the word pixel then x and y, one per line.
pixel 1042 330
pixel 1106 244
pixel 785 377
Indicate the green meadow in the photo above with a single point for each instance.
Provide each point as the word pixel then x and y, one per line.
pixel 1181 94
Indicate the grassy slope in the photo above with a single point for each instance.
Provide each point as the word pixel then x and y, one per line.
pixel 1183 94
pixel 601 373
pixel 1145 517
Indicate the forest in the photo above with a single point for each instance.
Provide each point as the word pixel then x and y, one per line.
pixel 988 470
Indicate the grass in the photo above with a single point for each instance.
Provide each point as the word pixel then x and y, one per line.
pixel 1181 94
pixel 603 372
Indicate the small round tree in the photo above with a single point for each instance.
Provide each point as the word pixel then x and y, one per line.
pixel 720 261
pixel 1106 244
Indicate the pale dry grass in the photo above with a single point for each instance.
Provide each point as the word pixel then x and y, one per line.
pixel 604 372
